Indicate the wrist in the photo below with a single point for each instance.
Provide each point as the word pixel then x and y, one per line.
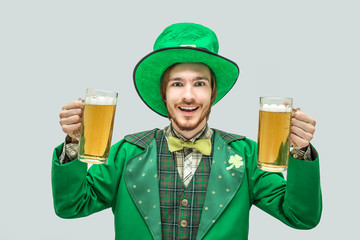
pixel 298 153
pixel 69 139
pixel 303 153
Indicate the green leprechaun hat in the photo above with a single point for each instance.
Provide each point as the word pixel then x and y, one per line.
pixel 179 43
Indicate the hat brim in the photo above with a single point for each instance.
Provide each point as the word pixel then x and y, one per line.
pixel 149 71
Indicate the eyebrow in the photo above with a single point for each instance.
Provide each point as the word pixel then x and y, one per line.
pixel 195 79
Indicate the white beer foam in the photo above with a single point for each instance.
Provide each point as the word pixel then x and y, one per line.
pixel 100 100
pixel 276 108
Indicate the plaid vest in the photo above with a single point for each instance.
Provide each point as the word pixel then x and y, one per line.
pixel 143 183
pixel 180 207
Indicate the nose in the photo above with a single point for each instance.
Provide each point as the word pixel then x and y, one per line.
pixel 188 94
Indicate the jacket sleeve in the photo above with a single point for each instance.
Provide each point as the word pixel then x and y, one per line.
pixel 79 192
pixel 296 201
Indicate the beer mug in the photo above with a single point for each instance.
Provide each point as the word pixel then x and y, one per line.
pixel 274 133
pixel 97 126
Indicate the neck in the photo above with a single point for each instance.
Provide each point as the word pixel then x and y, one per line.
pixel 188 134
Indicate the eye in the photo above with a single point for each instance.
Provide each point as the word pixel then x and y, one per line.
pixel 199 84
pixel 176 84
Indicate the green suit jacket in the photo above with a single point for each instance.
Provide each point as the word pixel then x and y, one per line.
pixel 128 183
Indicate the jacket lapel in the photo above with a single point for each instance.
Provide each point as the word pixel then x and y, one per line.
pixel 227 171
pixel 142 183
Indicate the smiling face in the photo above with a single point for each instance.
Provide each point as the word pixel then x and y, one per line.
pixel 188 97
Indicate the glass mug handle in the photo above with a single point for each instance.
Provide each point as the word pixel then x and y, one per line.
pixel 293 145
pixel 77 133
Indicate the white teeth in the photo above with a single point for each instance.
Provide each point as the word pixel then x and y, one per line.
pixel 188 108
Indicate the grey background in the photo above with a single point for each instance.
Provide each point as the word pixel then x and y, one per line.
pixel 51 51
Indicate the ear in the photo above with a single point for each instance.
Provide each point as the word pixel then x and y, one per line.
pixel 163 97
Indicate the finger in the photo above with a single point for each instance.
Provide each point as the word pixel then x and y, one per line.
pixel 301 133
pixel 71 112
pixel 74 105
pixel 71 128
pixel 299 115
pixel 298 142
pixel 71 120
pixel 307 127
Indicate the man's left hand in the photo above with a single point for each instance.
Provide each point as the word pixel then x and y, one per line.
pixel 302 129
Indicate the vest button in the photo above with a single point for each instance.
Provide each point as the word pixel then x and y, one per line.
pixel 183 223
pixel 184 202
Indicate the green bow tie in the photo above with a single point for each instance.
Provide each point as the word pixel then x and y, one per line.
pixel 202 145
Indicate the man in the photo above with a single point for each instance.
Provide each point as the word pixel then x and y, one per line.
pixel 177 182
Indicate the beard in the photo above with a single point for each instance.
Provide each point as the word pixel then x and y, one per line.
pixel 187 125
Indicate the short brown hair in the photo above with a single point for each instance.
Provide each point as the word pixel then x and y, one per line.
pixel 165 79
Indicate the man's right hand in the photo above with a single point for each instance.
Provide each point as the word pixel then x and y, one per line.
pixel 70 119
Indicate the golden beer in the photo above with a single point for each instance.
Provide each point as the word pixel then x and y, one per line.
pixel 274 136
pixel 97 129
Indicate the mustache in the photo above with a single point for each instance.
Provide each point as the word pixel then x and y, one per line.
pixel 188 102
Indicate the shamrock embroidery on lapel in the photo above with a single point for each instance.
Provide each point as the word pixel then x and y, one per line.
pixel 236 161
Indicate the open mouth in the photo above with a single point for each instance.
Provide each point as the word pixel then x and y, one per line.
pixel 188 109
